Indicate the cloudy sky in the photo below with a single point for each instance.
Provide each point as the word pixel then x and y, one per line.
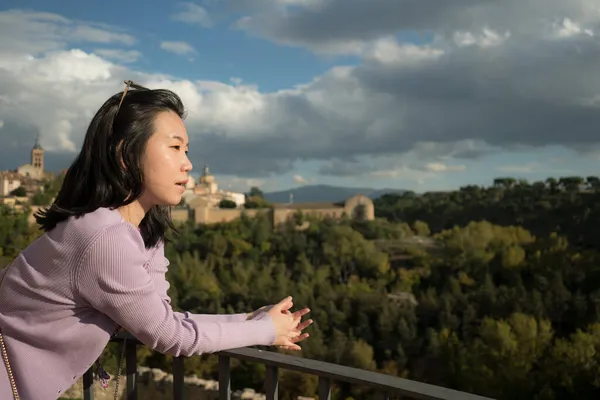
pixel 424 95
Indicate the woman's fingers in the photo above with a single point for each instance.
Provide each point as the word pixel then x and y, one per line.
pixel 304 324
pixel 301 313
pixel 299 338
pixel 295 334
pixel 290 346
pixel 291 343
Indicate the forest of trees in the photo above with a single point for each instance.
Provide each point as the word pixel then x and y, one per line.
pixel 491 290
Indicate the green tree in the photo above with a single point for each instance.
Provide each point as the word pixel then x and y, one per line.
pixel 19 192
pixel 226 203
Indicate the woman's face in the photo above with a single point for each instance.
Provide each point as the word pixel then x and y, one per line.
pixel 165 162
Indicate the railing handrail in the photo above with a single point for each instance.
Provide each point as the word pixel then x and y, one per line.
pixel 342 373
pixel 336 372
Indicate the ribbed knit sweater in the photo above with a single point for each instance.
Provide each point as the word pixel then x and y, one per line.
pixel 65 294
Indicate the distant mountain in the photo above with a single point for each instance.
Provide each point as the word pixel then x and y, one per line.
pixel 325 193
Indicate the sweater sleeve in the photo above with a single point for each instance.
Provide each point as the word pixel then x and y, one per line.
pixel 158 268
pixel 111 277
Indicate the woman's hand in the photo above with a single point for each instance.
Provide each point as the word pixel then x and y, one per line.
pixel 301 326
pixel 288 329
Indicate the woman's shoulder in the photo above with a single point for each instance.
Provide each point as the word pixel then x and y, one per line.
pixel 88 228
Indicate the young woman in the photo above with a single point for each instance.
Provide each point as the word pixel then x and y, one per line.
pixel 100 264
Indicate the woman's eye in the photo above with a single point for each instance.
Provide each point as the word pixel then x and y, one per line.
pixel 176 147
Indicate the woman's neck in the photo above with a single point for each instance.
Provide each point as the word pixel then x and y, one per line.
pixel 133 213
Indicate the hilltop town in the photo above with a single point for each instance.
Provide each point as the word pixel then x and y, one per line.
pixel 31 186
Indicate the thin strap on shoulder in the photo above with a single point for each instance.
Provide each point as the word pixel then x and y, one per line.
pixel 11 377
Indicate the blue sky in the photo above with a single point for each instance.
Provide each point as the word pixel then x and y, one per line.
pixel 285 93
pixel 222 53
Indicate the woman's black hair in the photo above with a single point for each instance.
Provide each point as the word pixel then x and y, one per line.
pixel 108 170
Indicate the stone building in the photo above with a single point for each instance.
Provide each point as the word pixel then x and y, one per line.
pixel 202 199
pixel 9 181
pixel 358 206
pixel 35 169
pixel 207 190
pixel 204 212
pixel 27 176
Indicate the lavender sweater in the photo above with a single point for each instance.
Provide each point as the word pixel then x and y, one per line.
pixel 66 293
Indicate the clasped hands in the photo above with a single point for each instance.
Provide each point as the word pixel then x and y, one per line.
pixel 288 325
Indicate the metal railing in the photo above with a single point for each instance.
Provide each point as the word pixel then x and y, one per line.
pixel 327 373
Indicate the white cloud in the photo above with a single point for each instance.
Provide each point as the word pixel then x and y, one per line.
pixel 403 172
pixel 519 168
pixel 431 175
pixel 441 167
pixel 568 28
pixel 180 48
pixel 86 33
pixel 532 168
pixel 242 185
pixel 67 66
pixel 388 51
pixel 327 47
pixel 406 173
pixel 193 14
pixel 303 3
pixel 487 38
pixel 340 26
pixel 299 179
pixel 124 56
pixel 30 32
pixel 410 166
pixel 406 111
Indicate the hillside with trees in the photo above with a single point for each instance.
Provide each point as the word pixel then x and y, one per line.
pixel 491 290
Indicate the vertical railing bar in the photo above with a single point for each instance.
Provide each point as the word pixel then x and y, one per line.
pixel 131 369
pixel 272 383
pixel 88 384
pixel 324 388
pixel 385 396
pixel 224 378
pixel 178 381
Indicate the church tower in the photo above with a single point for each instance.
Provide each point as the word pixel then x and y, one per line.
pixel 206 183
pixel 37 156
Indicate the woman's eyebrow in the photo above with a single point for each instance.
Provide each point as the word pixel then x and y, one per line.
pixel 177 137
